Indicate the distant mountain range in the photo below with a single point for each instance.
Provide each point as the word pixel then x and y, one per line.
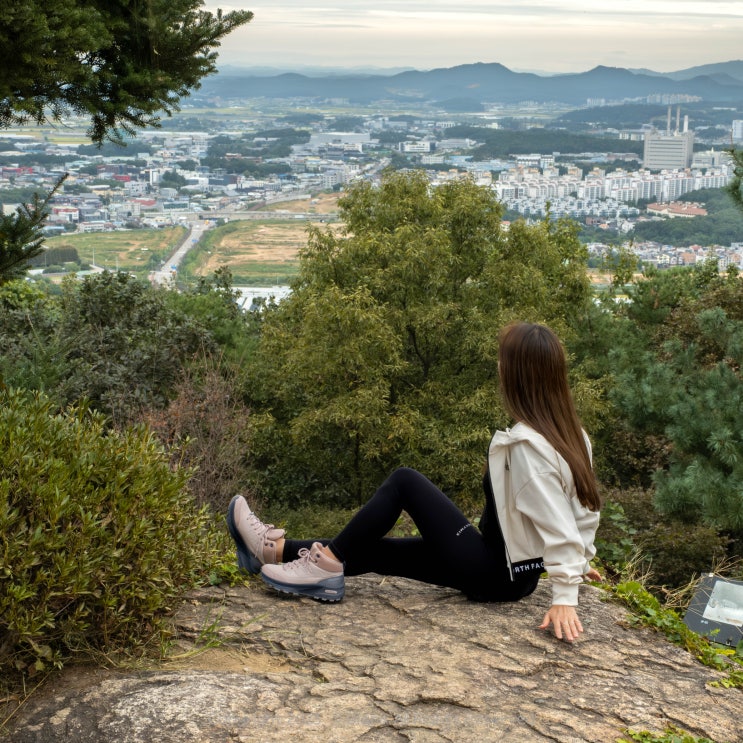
pixel 483 83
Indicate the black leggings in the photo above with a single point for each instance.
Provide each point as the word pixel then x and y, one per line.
pixel 449 552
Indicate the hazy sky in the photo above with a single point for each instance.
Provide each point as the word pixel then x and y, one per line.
pixel 536 35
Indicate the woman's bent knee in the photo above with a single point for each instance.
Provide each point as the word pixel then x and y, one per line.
pixel 405 475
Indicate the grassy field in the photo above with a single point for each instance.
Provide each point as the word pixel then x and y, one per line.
pixel 324 203
pixel 258 252
pixel 133 250
pixel 261 252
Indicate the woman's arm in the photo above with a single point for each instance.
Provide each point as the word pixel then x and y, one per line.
pixel 543 502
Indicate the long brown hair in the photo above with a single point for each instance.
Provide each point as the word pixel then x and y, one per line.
pixel 535 390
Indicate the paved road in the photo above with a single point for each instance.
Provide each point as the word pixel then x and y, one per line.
pixel 167 274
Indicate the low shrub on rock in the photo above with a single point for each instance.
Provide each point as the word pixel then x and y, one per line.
pixel 670 551
pixel 99 534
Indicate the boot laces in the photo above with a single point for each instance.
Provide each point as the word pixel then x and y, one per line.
pixel 259 528
pixel 302 562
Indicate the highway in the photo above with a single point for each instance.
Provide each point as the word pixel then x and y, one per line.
pixel 167 274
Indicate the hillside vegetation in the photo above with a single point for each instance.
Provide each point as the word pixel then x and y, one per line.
pixel 129 415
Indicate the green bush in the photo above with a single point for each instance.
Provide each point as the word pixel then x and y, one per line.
pixel 672 552
pixel 615 544
pixel 675 552
pixel 99 535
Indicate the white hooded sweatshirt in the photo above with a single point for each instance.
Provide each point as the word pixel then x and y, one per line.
pixel 538 510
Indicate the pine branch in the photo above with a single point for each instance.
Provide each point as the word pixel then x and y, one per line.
pixel 21 237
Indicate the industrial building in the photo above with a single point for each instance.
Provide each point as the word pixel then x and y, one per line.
pixel 669 150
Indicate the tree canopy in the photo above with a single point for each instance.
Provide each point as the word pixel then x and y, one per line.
pixel 735 187
pixel 385 352
pixel 21 237
pixel 120 62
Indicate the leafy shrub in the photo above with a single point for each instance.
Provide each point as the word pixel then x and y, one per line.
pixel 671 734
pixel 99 534
pixel 675 552
pixel 308 522
pixel 671 551
pixel 33 354
pixel 125 347
pixel 615 544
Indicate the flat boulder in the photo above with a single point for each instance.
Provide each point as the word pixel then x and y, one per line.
pixel 397 660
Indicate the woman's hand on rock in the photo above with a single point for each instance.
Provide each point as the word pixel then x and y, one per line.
pixel 564 620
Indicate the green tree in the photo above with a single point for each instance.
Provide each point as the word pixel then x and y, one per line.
pixel 385 352
pixel 122 63
pixel 735 187
pixel 108 338
pixel 21 237
pixel 677 377
pixel 171 179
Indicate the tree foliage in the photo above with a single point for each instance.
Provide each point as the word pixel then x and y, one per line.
pixel 385 352
pixel 121 63
pixel 504 142
pixel 735 187
pixel 721 227
pixel 21 237
pixel 108 338
pixel 676 353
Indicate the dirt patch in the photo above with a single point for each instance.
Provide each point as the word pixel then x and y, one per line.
pixel 230 660
pixel 251 243
pixel 324 203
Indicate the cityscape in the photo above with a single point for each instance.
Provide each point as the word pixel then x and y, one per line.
pixel 207 164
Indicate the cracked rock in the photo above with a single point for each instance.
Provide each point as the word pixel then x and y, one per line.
pixel 396 661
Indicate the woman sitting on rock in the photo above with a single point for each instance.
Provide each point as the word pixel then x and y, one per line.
pixel 541 509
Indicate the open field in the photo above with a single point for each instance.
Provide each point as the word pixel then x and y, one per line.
pixel 257 253
pixel 130 250
pixel 323 203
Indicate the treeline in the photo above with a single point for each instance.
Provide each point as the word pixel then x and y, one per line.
pixel 634 115
pixel 499 143
pixel 722 226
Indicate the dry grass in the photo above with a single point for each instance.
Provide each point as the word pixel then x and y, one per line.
pixel 128 250
pixel 258 252
pixel 324 203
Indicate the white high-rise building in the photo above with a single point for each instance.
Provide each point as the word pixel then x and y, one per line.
pixel 738 130
pixel 669 150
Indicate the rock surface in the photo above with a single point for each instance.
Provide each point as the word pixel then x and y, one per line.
pixel 396 661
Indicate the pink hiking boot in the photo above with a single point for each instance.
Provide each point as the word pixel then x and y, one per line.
pixel 255 541
pixel 312 574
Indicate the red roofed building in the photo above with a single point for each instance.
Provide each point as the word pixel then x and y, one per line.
pixel 677 209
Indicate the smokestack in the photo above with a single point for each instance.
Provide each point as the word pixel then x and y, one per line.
pixel 686 123
pixel 678 116
pixel 668 125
